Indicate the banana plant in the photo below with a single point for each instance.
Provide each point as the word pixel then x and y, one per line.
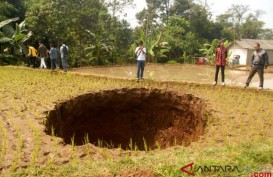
pixel 150 42
pixel 19 36
pixel 3 37
pixel 208 50
pixel 97 49
pixel 6 22
pixel 162 50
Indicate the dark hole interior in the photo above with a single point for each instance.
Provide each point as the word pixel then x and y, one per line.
pixel 137 118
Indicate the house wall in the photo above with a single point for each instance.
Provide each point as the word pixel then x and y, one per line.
pixel 243 53
pixel 270 55
pixel 249 56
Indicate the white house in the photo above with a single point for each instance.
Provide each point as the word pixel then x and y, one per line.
pixel 243 49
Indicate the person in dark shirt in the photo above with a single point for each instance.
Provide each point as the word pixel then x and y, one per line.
pixel 259 62
pixel 53 54
pixel 42 53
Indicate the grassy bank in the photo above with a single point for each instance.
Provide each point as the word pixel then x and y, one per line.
pixel 239 130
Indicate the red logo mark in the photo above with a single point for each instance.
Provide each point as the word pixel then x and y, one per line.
pixel 184 169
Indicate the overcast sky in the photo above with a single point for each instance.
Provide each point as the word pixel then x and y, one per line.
pixel 216 7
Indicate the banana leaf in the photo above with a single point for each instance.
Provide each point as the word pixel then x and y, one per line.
pixel 6 22
pixel 4 40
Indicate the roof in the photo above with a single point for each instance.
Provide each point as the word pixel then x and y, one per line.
pixel 249 43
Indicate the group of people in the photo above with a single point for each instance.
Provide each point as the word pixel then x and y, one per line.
pixel 259 62
pixel 40 56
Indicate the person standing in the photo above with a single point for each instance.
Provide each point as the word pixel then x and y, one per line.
pixel 140 53
pixel 42 53
pixel 220 62
pixel 64 50
pixel 32 55
pixel 259 62
pixel 53 54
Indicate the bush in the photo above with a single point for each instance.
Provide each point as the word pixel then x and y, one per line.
pixel 10 60
pixel 172 62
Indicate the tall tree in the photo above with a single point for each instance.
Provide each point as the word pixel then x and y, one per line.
pixel 266 34
pixel 183 43
pixel 198 15
pixel 73 21
pixel 182 8
pixel 68 23
pixel 252 27
pixel 243 22
pixel 116 8
pixel 6 10
pixel 151 24
pixel 12 9
pixel 233 18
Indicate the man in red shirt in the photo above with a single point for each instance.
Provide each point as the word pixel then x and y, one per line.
pixel 220 62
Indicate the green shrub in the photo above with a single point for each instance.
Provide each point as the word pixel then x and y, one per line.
pixel 172 62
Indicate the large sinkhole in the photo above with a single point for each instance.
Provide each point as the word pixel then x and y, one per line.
pixel 136 118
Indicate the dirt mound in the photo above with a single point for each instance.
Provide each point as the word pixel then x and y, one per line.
pixel 129 118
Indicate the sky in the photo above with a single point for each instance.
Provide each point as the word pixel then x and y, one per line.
pixel 217 7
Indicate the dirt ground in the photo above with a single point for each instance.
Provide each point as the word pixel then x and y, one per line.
pixel 247 68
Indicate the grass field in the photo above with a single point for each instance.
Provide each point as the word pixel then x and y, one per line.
pixel 238 131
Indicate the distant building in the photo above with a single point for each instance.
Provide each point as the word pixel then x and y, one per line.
pixel 243 49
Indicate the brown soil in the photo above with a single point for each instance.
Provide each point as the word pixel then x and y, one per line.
pixel 116 117
pixel 248 68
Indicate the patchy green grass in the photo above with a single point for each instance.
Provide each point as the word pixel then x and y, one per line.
pixel 239 130
pixel 168 162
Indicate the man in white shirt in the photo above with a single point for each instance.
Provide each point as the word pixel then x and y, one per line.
pixel 64 50
pixel 140 53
